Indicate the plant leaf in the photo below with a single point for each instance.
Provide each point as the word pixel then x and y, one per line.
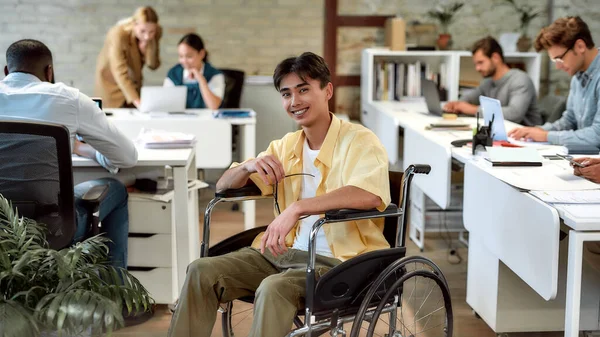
pixel 22 322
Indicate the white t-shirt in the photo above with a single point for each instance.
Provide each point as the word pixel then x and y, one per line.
pixel 309 190
pixel 216 83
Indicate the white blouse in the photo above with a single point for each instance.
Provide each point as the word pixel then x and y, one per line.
pixel 216 83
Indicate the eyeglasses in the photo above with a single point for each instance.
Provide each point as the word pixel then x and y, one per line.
pixel 559 59
pixel 275 192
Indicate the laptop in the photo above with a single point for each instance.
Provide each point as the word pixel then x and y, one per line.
pixel 432 97
pixel 163 99
pixel 492 109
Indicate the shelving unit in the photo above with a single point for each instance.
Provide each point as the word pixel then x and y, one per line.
pixel 456 67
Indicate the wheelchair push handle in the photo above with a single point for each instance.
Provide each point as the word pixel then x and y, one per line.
pixel 420 168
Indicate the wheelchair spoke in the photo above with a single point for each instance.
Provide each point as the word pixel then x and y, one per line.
pixel 374 333
pixel 425 300
pixel 243 319
pixel 243 311
pixel 422 318
pixel 429 328
pixel 438 302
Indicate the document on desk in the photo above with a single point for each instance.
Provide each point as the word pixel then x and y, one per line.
pixel 580 211
pixel 569 197
pixel 551 176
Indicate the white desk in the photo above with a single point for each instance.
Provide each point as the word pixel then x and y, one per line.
pixel 213 147
pixel 517 265
pixel 420 146
pixel 185 240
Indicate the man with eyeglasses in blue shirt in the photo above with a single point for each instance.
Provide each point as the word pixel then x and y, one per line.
pixel 569 45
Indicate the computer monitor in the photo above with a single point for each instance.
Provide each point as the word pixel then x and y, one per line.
pixel 432 97
pixel 163 99
pixel 492 109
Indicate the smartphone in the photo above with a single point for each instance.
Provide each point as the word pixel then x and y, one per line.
pixel 570 159
pixel 98 101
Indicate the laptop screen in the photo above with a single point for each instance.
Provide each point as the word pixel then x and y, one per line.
pixel 492 109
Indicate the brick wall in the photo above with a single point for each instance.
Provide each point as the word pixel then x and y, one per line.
pixel 252 35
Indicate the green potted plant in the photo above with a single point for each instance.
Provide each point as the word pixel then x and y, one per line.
pixel 445 15
pixel 526 14
pixel 70 292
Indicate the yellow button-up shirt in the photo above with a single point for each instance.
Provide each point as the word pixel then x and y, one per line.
pixel 351 155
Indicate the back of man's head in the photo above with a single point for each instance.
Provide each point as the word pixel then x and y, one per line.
pixel 488 46
pixel 29 56
pixel 308 65
pixel 564 32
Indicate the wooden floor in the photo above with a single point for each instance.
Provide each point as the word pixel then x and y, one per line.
pixel 226 223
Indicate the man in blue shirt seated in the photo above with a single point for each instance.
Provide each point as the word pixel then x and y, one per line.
pixel 569 44
pixel 28 92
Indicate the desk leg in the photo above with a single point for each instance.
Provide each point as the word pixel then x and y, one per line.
pixel 186 230
pixel 574 278
pixel 248 134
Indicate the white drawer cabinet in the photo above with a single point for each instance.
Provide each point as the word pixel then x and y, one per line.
pixel 151 251
pixel 159 283
pixel 149 216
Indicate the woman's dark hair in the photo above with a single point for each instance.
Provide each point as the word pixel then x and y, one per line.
pixel 195 41
pixel 306 65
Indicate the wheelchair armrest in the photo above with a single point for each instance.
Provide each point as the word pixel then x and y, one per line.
pixel 94 196
pixel 246 191
pixel 351 214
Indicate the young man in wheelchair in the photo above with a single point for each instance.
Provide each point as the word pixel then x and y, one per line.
pixel 328 164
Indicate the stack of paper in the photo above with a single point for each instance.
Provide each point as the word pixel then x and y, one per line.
pixel 158 139
pixel 569 197
pixel 503 156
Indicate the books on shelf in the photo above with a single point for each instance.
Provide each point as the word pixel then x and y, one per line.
pixel 160 139
pixel 394 79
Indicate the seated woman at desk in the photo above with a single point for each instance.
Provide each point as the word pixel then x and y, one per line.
pixel 205 83
pixel 129 45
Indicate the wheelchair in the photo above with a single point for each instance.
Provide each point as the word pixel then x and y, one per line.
pixel 380 293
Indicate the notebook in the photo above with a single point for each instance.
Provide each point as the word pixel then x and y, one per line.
pixel 506 156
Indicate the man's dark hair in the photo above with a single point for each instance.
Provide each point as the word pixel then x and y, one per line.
pixel 488 45
pixel 28 56
pixel 306 65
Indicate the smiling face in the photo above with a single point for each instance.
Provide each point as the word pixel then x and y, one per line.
pixel 304 100
pixel 190 58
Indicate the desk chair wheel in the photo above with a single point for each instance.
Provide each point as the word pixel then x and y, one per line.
pixel 409 298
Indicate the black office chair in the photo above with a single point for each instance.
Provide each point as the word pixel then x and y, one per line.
pixel 36 175
pixel 363 289
pixel 234 84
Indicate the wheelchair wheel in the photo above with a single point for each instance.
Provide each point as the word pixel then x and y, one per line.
pixel 236 322
pixel 409 299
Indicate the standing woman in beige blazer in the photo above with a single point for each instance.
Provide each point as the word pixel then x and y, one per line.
pixel 129 45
